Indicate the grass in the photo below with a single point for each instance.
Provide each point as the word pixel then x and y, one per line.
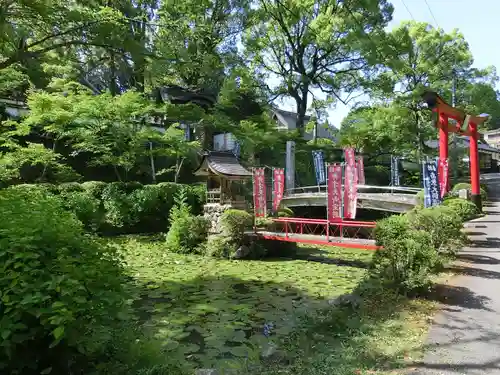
pixel 212 312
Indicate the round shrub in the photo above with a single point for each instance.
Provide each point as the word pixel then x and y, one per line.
pixel 70 187
pixel 85 206
pixel 406 262
pixel 59 288
pixel 94 187
pixel 408 258
pixel 464 208
pixel 266 223
pixel 391 228
pixel 187 233
pixel 234 223
pixel 443 225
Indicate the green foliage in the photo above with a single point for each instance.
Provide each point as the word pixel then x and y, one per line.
pixel 61 290
pixel 187 232
pixel 266 223
pixel 420 199
pixel 416 244
pixel 315 53
pixel 444 226
pixel 408 258
pixel 468 186
pixel 234 223
pixel 85 206
pixel 391 228
pixel 119 208
pixel 221 246
pixel 464 208
pixel 285 212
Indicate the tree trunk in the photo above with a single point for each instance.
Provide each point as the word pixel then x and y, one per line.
pixel 46 166
pixel 152 161
pixel 178 169
pixel 117 173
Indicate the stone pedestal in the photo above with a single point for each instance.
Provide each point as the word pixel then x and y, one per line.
pixel 213 212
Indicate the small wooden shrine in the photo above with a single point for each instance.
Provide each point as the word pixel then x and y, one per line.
pixel 225 179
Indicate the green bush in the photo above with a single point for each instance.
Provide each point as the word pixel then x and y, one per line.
pixel 391 228
pixel 285 212
pixel 187 232
pixel 464 208
pixel 221 246
pixel 95 188
pixel 234 223
pixel 69 187
pixel 420 199
pixel 444 226
pixel 266 223
pixel 407 262
pixel 60 290
pixel 408 258
pixel 122 208
pixel 467 186
pixel 86 207
pixel 117 206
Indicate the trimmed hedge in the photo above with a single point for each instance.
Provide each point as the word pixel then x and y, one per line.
pixel 122 208
pixel 464 208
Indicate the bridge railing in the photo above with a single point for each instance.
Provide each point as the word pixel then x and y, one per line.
pixel 372 188
pixel 339 232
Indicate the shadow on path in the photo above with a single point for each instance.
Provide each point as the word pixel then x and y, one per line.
pixel 457 296
pixel 475 272
pixel 477 259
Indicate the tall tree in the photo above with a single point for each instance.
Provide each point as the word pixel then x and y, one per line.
pixel 102 44
pixel 314 45
pixel 197 41
pixel 416 57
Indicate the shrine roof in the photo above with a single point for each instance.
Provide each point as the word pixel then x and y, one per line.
pixel 223 164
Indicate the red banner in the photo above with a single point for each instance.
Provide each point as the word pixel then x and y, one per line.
pixel 334 192
pixel 259 192
pixel 443 176
pixel 278 187
pixel 350 185
pixel 361 171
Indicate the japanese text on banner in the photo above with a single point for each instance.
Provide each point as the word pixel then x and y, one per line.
pixel 259 192
pixel 334 192
pixel 278 188
pixel 350 185
pixel 319 166
pixel 431 184
pixel 443 176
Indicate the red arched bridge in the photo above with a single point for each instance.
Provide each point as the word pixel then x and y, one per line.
pixel 339 232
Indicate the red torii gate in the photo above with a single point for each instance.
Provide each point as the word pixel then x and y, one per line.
pixel 466 125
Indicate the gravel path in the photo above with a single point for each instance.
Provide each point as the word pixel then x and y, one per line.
pixel 465 336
